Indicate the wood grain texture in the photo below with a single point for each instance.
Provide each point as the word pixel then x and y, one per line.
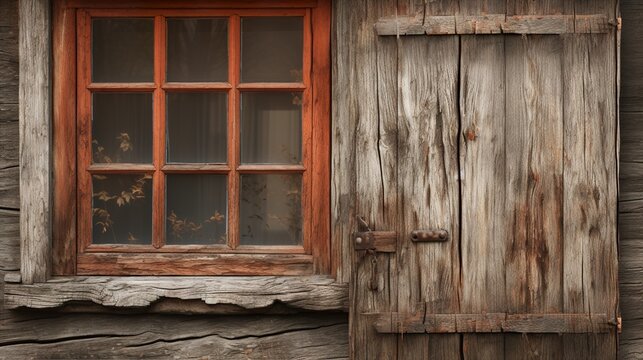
pixel 321 128
pixel 309 293
pixel 422 24
pixel 632 53
pixel 342 184
pixel 372 67
pixel 164 264
pixel 631 186
pixel 35 139
pixel 84 336
pixel 10 188
pixel 482 165
pixel 428 187
pixel 403 323
pixel 590 267
pixel 534 183
pixel 8 144
pixel 64 141
pixel 9 240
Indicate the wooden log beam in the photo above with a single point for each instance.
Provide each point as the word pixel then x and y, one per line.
pixel 494 24
pixel 420 323
pixel 35 138
pixel 302 292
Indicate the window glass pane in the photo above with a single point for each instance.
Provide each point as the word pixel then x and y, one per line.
pixel 197 50
pixel 197 127
pixel 122 209
pixel 272 49
pixel 271 128
pixel 122 50
pixel 196 209
pixel 270 209
pixel 122 127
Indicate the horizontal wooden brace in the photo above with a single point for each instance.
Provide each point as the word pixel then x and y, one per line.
pixel 494 24
pixel 420 323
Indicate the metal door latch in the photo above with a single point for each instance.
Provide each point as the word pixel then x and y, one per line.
pixel 378 241
pixel 432 235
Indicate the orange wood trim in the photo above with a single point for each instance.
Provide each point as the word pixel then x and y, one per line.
pixel 193 264
pixel 251 169
pixel 321 83
pixel 306 210
pixel 84 131
pixel 129 87
pixel 64 141
pixel 140 12
pixel 273 86
pixel 195 168
pixel 234 49
pixel 119 168
pixel 173 86
pixel 211 249
pixel 194 4
pixel 158 202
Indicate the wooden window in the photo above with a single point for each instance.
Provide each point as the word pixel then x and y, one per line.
pixel 202 139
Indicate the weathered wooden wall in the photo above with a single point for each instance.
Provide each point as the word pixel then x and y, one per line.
pixel 631 184
pixel 41 334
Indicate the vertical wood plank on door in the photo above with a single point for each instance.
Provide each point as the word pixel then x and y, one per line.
pixel 35 138
pixel 428 186
pixel 368 108
pixel 534 185
pixel 590 186
pixel 482 167
pixel 539 61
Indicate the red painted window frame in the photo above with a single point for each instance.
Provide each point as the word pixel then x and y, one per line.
pixel 72 252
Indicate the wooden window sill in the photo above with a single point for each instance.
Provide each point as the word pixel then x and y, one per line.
pixel 319 293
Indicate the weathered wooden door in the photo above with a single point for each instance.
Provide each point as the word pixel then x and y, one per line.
pixel 505 142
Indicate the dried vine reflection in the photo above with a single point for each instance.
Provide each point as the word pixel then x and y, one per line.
pixel 122 209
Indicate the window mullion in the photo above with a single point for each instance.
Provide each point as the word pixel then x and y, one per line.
pixel 234 45
pixel 158 212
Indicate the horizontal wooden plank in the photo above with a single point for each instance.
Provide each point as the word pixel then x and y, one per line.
pixel 9 112
pixel 9 81
pixel 250 292
pixel 400 323
pixel 631 202
pixel 630 228
pixel 630 176
pixel 8 144
pixel 9 13
pixel 122 264
pixel 494 24
pixel 149 336
pixel 9 193
pixel 631 135
pixel 9 240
